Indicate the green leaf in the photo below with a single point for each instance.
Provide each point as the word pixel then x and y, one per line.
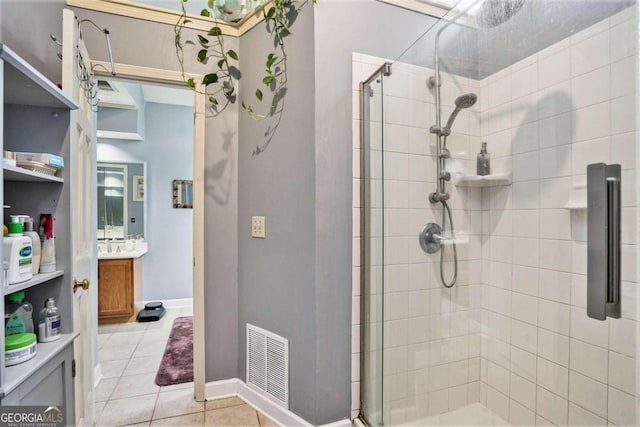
pixel 243 105
pixel 209 78
pixel 202 39
pixel 186 21
pixel 220 63
pixel 270 13
pixel 205 12
pixel 202 55
pixel 215 31
pixel 259 94
pixel 232 53
pixel 271 59
pixel 267 80
pixel 191 83
pixel 228 91
pixel 210 4
pixel 213 100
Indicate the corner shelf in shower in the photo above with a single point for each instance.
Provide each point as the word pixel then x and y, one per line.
pixel 493 180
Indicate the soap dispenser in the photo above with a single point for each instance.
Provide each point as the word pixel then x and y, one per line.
pixel 483 161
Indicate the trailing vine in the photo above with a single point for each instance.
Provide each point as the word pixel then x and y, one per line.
pixel 279 15
pixel 216 83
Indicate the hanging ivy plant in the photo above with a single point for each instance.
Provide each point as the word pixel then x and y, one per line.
pixel 279 15
pixel 220 82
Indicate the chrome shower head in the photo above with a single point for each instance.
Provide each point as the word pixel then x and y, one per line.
pixel 467 100
pixel 496 12
pixel 463 101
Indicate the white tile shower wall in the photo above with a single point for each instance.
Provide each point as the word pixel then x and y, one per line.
pixel 432 334
pixel 569 105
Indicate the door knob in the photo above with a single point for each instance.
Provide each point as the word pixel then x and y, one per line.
pixel 84 284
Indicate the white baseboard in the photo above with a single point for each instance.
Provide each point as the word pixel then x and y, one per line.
pixel 341 423
pixel 97 375
pixel 220 389
pixel 357 422
pixel 278 414
pixel 174 303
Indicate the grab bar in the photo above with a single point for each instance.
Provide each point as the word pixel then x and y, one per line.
pixel 603 241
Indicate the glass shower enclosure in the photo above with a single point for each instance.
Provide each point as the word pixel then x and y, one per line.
pixel 491 299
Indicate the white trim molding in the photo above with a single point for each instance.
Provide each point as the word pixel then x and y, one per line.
pixel 278 414
pixel 97 375
pixel 426 7
pixel 175 303
pixel 168 16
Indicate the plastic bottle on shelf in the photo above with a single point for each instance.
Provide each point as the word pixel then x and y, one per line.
pixel 18 315
pixel 18 253
pixel 483 162
pixel 36 246
pixel 49 324
pixel 48 254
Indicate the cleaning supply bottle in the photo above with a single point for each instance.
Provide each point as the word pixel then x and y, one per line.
pixel 36 246
pixel 483 161
pixel 17 252
pixel 48 254
pixel 49 328
pixel 18 315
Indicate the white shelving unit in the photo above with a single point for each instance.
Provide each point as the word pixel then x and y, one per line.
pixel 35 117
pixel 17 374
pixel 493 180
pixel 16 173
pixel 35 281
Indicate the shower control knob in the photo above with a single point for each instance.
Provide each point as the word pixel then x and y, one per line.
pixel 430 238
pixel 446 176
pixel 445 154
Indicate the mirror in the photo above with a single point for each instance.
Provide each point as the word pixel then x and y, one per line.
pixel 120 200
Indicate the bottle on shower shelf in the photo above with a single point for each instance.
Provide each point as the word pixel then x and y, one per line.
pixel 484 161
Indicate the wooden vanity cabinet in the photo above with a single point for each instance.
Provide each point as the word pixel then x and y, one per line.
pixel 119 289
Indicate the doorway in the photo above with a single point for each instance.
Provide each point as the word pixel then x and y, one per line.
pixel 149 76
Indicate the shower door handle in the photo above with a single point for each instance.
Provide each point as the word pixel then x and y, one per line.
pixel 603 241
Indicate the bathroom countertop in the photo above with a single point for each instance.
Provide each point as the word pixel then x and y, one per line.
pixel 122 254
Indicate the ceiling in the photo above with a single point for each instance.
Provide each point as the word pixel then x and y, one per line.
pixel 227 10
pixel 469 50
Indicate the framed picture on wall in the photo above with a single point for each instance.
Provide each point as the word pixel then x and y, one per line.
pixel 138 188
pixel 182 194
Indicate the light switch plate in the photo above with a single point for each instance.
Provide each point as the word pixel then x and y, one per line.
pixel 258 227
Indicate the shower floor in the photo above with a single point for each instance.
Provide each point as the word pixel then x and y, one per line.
pixel 471 415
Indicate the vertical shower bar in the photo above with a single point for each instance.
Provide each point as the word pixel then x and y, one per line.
pixel 613 193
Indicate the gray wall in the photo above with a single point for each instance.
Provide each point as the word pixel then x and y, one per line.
pixel 277 274
pixel 25 27
pixel 168 153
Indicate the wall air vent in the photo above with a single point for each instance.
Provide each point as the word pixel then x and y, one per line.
pixel 114 95
pixel 268 364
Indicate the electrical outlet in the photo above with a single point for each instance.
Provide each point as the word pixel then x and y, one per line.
pixel 258 227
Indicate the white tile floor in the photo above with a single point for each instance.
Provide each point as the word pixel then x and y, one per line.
pixel 129 355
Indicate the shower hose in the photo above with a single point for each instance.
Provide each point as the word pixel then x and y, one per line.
pixel 447 211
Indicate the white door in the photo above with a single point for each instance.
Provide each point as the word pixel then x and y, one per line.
pixel 82 164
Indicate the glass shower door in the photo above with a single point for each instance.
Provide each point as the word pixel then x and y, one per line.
pixel 372 248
